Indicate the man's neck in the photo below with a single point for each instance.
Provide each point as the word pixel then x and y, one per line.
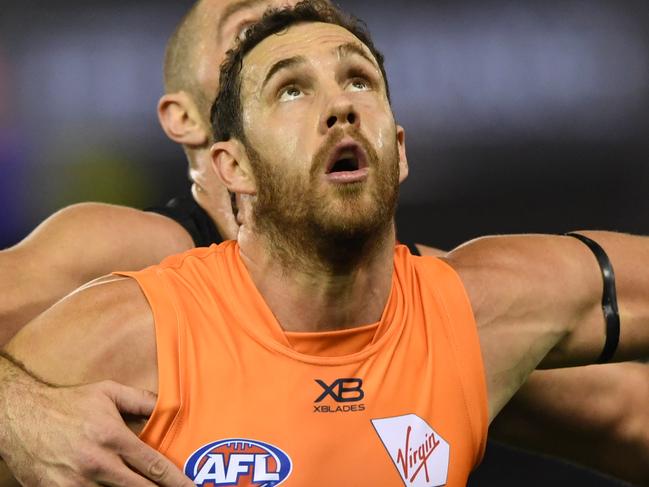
pixel 210 194
pixel 218 207
pixel 308 296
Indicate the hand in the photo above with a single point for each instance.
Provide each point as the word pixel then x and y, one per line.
pixel 71 436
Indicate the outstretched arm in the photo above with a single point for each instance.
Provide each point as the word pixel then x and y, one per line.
pixel 537 301
pixel 73 246
pixel 595 415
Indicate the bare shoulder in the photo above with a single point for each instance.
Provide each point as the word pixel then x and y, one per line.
pixel 526 292
pixel 103 330
pixel 73 246
pixel 133 235
pixel 500 270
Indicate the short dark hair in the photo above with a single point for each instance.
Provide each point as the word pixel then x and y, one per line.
pixel 226 113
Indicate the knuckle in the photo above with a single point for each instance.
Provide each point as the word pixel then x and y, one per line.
pixel 107 384
pixel 158 469
pixel 100 434
pixel 90 466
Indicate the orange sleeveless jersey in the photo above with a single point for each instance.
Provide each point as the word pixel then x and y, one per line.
pixel 241 402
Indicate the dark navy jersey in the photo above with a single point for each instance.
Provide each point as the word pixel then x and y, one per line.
pixel 413 248
pixel 185 211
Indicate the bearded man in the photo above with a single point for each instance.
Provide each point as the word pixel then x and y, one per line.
pixel 332 306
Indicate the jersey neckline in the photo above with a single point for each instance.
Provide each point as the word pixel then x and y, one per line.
pixel 270 334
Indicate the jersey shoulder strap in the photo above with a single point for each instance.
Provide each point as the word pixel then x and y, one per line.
pixel 187 213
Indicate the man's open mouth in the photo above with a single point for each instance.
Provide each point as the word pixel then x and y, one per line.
pixel 348 163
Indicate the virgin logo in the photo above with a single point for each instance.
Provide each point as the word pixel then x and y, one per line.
pixel 412 460
pixel 420 455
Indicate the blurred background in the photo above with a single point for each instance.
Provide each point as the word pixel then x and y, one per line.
pixel 520 116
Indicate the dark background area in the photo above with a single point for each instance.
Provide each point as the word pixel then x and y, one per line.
pixel 520 117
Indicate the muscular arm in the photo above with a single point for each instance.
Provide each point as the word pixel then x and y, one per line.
pixel 74 246
pixel 596 416
pixel 537 302
pixel 103 332
pixel 11 379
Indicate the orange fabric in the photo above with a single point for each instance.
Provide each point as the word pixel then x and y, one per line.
pixel 228 371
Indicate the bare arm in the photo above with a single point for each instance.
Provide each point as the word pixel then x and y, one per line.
pixel 537 302
pixel 596 416
pixel 103 332
pixel 75 245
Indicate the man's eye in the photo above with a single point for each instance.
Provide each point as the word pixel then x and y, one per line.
pixel 360 84
pixel 290 93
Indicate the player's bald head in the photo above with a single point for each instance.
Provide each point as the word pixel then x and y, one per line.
pixel 180 52
pixel 198 45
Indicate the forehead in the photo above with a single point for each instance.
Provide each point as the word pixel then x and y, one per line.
pixel 314 41
pixel 222 19
pixel 218 23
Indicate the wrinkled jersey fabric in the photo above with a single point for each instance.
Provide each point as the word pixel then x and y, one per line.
pixel 241 402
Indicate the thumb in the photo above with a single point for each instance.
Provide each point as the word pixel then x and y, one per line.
pixel 129 400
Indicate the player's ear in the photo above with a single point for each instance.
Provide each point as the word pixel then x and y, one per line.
pixel 181 120
pixel 401 148
pixel 230 161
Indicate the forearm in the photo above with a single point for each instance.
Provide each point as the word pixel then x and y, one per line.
pixel 595 416
pixel 12 380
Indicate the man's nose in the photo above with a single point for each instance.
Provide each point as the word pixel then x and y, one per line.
pixel 341 113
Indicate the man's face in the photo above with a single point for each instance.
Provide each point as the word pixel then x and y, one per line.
pixel 320 135
pixel 221 22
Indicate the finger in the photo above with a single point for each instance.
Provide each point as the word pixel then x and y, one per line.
pixel 117 474
pixel 153 465
pixel 129 400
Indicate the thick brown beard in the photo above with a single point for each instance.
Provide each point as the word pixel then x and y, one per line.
pixel 303 228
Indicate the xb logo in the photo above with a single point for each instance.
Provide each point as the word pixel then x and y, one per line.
pixel 342 390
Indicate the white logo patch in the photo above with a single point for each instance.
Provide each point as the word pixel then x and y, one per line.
pixel 419 453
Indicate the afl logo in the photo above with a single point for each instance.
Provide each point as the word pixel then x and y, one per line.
pixel 239 462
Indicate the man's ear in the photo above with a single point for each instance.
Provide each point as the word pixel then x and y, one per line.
pixel 181 120
pixel 401 148
pixel 231 163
